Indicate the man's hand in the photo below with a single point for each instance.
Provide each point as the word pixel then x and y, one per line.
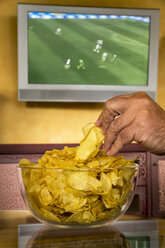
pixel 133 117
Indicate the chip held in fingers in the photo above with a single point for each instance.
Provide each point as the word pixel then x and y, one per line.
pixel 89 146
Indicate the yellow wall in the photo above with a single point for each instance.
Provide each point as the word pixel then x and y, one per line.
pixel 53 122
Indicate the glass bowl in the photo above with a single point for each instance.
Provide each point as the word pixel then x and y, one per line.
pixel 77 197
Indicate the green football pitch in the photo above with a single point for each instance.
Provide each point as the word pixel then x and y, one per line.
pixel 75 51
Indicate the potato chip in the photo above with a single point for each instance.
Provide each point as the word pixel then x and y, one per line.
pixel 45 197
pixel 88 216
pixel 94 184
pixel 70 201
pixel 87 128
pixel 78 180
pixel 48 215
pixel 89 146
pixel 106 183
pixel 113 177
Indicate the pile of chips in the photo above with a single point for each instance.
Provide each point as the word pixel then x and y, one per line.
pixel 78 184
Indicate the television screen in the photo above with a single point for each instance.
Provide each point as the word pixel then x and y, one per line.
pixel 75 52
pixel 91 49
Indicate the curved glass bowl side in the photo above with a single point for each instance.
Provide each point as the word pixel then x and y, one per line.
pixel 110 218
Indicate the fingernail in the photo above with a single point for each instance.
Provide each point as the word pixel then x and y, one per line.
pixel 97 123
pixel 105 149
pixel 109 153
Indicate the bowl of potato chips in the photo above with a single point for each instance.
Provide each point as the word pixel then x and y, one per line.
pixel 78 186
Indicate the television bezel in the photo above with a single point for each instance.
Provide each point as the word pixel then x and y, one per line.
pixel 82 93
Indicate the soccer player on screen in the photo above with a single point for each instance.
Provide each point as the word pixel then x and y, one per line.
pixel 81 65
pixel 98 46
pixel 68 64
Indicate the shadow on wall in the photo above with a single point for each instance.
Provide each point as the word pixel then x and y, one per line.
pixel 13 49
pixel 3 101
pixel 161 66
pixel 161 49
pixel 65 105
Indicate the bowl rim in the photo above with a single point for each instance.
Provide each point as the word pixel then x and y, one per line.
pixel 135 166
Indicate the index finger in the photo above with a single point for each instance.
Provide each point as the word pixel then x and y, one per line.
pixel 112 108
pixel 104 120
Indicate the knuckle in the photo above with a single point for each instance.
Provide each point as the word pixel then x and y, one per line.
pixel 143 98
pixel 140 94
pixel 113 127
pixel 122 136
pixel 116 125
pixel 107 105
pixel 111 103
pixel 105 120
pixel 126 136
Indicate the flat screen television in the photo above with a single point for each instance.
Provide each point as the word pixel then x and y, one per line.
pixel 86 54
